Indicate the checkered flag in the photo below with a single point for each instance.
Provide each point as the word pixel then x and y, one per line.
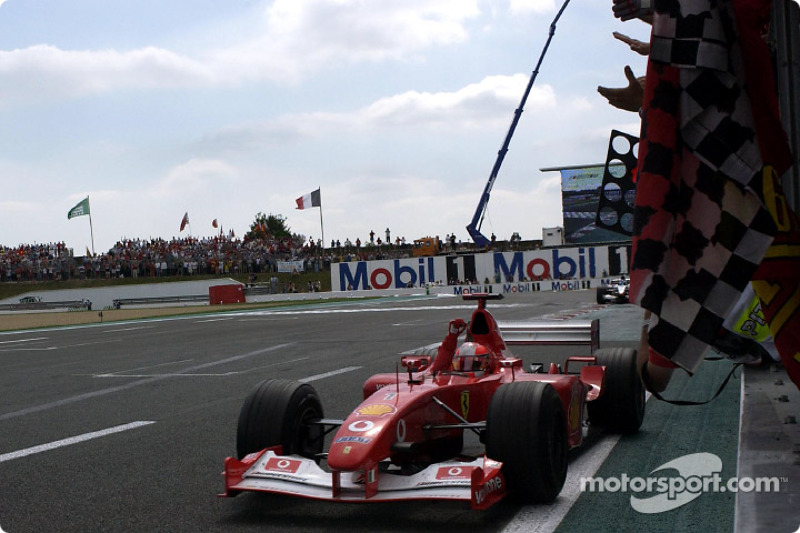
pixel 701 227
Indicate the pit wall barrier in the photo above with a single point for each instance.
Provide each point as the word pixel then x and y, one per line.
pixel 428 290
pixel 549 269
pixel 441 290
pixel 226 294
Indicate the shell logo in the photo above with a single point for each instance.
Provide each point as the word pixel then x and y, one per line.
pixel 376 409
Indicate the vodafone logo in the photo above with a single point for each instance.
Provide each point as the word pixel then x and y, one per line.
pixel 361 426
pixel 453 472
pixel 280 464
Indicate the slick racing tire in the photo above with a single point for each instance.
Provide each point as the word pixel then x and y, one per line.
pixel 601 292
pixel 277 412
pixel 526 430
pixel 620 407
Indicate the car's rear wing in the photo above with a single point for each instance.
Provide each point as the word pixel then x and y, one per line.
pixel 582 332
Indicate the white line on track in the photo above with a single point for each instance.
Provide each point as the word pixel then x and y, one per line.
pixel 350 310
pixel 121 373
pixel 329 374
pixel 409 323
pixel 45 349
pixel 184 374
pixel 73 440
pixel 135 328
pixel 546 518
pixel 132 384
pixel 24 340
pixel 220 319
pixel 266 318
pixel 172 375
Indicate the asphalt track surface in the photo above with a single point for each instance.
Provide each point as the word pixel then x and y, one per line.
pixel 124 427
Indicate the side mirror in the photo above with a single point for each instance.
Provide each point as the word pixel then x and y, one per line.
pixel 415 363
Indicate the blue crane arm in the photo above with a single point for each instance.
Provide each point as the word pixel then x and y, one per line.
pixel 474 227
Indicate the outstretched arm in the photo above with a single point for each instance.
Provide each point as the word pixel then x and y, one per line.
pixel 444 356
pixel 628 98
pixel 630 9
pixel 640 47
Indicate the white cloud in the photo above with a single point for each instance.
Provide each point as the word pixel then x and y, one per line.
pixel 487 103
pixel 45 71
pixel 582 104
pixel 293 38
pixel 531 6
pixel 16 206
pixel 471 106
pixel 301 36
pixel 193 176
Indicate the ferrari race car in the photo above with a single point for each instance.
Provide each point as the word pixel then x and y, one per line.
pixel 615 292
pixel 405 441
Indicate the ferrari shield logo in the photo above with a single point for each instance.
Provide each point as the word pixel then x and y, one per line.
pixel 464 403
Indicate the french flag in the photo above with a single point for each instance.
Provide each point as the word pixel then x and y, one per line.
pixel 312 199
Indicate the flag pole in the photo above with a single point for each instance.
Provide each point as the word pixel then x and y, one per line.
pixel 321 227
pixel 91 228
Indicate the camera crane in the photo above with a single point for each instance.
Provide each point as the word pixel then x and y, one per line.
pixel 474 227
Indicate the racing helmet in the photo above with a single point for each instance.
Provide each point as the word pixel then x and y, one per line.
pixel 471 357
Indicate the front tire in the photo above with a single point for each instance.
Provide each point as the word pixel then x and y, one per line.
pixel 278 412
pixel 620 408
pixel 526 430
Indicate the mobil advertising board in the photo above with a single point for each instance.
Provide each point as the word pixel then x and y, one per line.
pixel 575 263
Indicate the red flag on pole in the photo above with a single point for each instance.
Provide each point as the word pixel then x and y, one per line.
pixel 185 220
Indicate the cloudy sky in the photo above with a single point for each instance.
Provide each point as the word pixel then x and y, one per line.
pixel 394 108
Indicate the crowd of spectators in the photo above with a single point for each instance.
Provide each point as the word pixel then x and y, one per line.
pixel 151 258
pixel 220 255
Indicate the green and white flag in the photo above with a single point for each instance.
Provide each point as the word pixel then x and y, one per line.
pixel 79 210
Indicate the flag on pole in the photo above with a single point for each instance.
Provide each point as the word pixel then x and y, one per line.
pixel 214 223
pixel 79 210
pixel 185 220
pixel 312 199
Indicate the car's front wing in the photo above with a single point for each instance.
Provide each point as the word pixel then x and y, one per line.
pixel 478 481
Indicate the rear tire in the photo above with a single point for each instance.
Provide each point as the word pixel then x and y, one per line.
pixel 620 408
pixel 277 412
pixel 526 429
pixel 600 292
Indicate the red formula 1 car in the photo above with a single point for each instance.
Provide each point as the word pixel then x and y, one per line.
pixel 404 441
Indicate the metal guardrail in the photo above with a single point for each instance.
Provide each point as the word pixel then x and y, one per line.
pixel 255 290
pixel 47 306
pixel 119 302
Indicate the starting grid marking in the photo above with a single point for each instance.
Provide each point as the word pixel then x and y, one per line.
pixel 132 384
pixel 73 440
pixel 132 425
pixel 329 374
pixel 17 341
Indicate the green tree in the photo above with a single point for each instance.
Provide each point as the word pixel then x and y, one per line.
pixel 269 227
